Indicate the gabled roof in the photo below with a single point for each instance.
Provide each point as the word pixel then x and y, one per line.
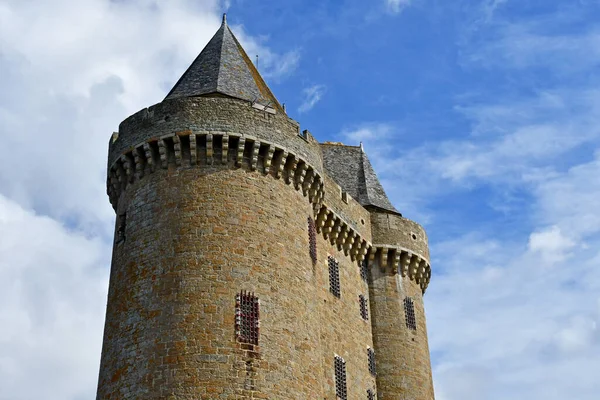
pixel 223 67
pixel 350 167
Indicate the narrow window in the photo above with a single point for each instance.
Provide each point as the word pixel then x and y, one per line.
pixel 409 313
pixel 312 239
pixel 121 225
pixel 246 318
pixel 334 276
pixel 364 270
pixel 371 394
pixel 371 360
pixel 364 311
pixel 340 378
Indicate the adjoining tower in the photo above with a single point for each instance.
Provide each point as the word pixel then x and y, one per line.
pixel 399 269
pixel 250 261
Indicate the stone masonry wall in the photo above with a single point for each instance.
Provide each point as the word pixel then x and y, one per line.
pixel 394 230
pixel 404 367
pixel 195 237
pixel 213 114
pixel 342 331
pixel 350 210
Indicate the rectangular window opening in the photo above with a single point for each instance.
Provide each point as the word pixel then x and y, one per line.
pixel 247 318
pixel 341 390
pixel 409 313
pixel 121 226
pixel 371 394
pixel 364 273
pixel 334 276
pixel 312 239
pixel 371 360
pixel 364 309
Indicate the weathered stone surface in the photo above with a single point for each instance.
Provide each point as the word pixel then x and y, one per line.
pixel 213 114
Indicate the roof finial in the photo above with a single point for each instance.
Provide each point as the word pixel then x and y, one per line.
pixel 224 18
pixel 361 147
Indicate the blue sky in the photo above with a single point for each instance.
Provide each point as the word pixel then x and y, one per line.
pixel 481 118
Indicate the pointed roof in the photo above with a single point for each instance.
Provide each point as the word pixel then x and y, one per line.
pixel 224 67
pixel 350 167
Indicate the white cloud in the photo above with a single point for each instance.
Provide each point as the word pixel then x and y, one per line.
pixel 396 6
pixel 70 72
pixel 271 65
pixel 312 95
pixel 536 42
pixel 368 132
pixel 513 303
pixel 490 7
pixel 552 245
pixel 53 290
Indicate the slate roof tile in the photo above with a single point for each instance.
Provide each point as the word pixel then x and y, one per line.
pixel 223 67
pixel 350 167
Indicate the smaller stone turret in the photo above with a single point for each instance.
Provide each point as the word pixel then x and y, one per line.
pixel 399 268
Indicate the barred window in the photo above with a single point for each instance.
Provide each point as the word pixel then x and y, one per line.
pixel 371 394
pixel 371 360
pixel 364 310
pixel 340 378
pixel 312 239
pixel 409 313
pixel 334 276
pixel 246 318
pixel 364 274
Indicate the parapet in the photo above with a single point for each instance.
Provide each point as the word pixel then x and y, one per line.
pixel 214 115
pixel 401 244
pixel 213 131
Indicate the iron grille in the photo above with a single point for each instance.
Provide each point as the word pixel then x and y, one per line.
pixel 371 358
pixel 340 378
pixel 334 276
pixel 364 275
pixel 371 394
pixel 246 318
pixel 364 310
pixel 409 313
pixel 312 238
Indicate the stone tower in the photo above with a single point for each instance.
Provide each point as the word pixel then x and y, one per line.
pixel 252 262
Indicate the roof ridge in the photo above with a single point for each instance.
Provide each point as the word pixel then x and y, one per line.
pixel 223 26
pixel 256 75
pixel 189 68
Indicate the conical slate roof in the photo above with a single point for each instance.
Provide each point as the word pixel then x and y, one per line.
pixel 223 67
pixel 350 167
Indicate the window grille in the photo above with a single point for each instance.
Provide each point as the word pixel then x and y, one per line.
pixel 334 276
pixel 246 318
pixel 340 378
pixel 312 239
pixel 371 360
pixel 364 310
pixel 364 275
pixel 409 313
pixel 371 394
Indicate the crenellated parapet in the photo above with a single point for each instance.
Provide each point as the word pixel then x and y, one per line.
pixel 400 246
pixel 189 149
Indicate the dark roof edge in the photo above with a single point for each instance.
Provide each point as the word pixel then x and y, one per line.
pixel 194 62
